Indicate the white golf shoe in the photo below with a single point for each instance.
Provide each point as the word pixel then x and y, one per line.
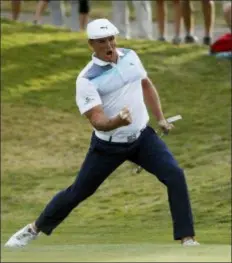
pixel 190 243
pixel 22 237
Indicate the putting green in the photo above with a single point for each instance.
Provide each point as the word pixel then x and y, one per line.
pixel 118 253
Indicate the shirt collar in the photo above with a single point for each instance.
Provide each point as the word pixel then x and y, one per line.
pixel 102 62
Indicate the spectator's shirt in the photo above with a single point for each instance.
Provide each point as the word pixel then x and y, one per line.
pixel 114 86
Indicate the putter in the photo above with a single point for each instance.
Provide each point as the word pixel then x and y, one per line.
pixel 172 119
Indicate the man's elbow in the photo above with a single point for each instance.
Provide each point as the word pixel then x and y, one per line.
pixel 99 126
pixel 146 83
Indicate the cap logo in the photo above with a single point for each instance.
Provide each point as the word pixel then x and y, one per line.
pixel 103 27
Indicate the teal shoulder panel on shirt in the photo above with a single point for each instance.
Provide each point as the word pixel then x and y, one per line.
pixel 96 71
pixel 125 51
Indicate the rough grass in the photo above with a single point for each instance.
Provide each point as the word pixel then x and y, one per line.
pixel 44 141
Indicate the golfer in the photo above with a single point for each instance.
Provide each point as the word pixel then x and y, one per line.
pixel 112 91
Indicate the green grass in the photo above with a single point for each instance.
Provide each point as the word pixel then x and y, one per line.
pixel 121 253
pixel 44 141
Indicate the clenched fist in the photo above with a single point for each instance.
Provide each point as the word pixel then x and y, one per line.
pixel 165 126
pixel 125 116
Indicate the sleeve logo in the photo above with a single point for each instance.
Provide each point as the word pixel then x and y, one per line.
pixel 88 100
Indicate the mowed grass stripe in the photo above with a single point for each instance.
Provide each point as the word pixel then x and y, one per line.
pixel 119 253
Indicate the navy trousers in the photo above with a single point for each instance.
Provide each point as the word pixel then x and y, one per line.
pixel 148 151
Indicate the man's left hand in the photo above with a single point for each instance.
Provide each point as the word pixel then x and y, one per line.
pixel 165 126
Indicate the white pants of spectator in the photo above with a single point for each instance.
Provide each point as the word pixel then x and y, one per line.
pixel 56 12
pixel 143 16
pixel 74 18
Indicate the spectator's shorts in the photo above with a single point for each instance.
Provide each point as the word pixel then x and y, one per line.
pixel 83 6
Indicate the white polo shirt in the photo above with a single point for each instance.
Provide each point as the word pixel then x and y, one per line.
pixel 114 86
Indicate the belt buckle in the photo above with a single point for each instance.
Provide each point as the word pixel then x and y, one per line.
pixel 131 138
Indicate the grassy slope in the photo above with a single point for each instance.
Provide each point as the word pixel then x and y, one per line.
pixel 44 140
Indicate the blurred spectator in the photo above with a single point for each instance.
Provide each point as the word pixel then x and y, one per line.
pixel 143 15
pixel 161 20
pixel 15 9
pixel 208 12
pixel 56 12
pixel 79 14
pixel 40 8
pixel 227 12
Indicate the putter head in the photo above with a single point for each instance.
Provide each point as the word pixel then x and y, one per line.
pixel 138 169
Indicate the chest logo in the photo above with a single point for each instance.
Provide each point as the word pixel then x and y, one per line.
pixel 103 27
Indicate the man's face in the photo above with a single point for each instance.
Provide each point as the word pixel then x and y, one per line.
pixel 105 48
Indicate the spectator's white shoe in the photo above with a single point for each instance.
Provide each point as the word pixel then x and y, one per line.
pixel 190 242
pixel 22 237
pixel 189 39
pixel 176 40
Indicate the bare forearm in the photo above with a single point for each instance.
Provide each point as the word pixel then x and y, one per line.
pixel 103 123
pixel 152 99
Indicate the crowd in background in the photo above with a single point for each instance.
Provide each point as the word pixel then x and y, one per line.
pixel 182 9
pixel 79 12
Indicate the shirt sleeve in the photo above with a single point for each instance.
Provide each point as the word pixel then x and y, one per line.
pixel 137 59
pixel 87 95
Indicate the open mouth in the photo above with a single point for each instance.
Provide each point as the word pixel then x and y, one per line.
pixel 109 53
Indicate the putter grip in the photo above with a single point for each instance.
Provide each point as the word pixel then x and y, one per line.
pixel 174 118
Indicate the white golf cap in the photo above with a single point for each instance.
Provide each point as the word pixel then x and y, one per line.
pixel 101 28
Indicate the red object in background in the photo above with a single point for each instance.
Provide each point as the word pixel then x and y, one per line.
pixel 222 44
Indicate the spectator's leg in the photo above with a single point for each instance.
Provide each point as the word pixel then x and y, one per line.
pixel 75 24
pixel 209 13
pixel 227 14
pixel 143 18
pixel 188 21
pixel 83 13
pixel 15 9
pixel 161 19
pixel 120 17
pixel 40 8
pixel 187 16
pixel 177 21
pixel 56 12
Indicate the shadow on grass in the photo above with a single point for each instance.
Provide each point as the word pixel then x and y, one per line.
pixel 34 63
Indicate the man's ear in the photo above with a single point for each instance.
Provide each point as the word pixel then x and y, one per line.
pixel 90 42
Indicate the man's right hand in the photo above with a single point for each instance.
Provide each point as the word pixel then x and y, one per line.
pixel 125 116
pixel 101 122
